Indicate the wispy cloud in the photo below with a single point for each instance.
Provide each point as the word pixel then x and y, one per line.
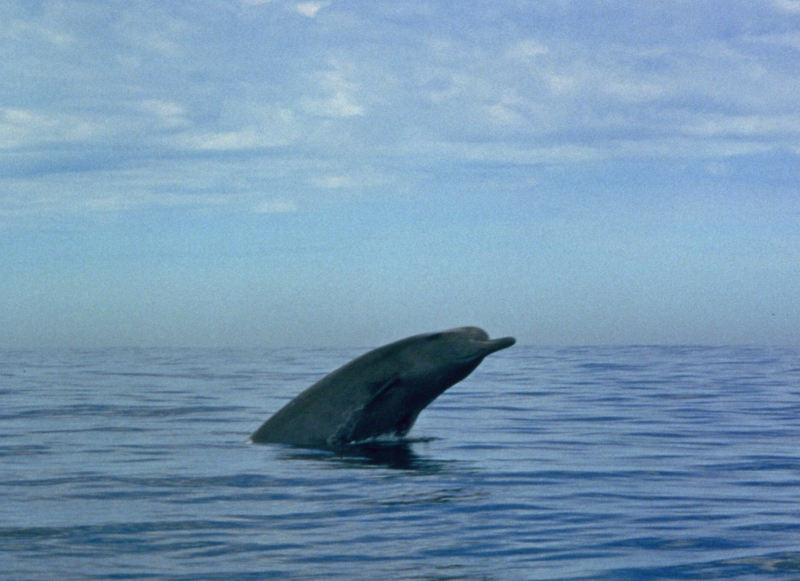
pixel 349 88
pixel 310 9
pixel 792 6
pixel 276 207
pixel 26 128
pixel 402 164
pixel 338 95
pixel 165 113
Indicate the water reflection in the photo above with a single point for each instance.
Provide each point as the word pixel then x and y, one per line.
pixel 395 454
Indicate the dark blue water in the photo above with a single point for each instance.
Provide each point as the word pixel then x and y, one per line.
pixel 583 463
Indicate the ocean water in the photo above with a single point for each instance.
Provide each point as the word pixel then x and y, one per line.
pixel 635 463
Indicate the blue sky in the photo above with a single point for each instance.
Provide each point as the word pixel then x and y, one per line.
pixel 276 173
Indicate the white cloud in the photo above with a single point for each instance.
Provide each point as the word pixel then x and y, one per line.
pixel 357 179
pixel 332 182
pixel 635 90
pixel 23 128
pixel 310 9
pixel 378 89
pixel 493 153
pixel 276 207
pixel 337 105
pixel 167 113
pixel 506 112
pixel 221 140
pixel 687 148
pixel 562 84
pixel 527 50
pixel 792 6
pixel 339 99
pixel 787 39
pixel 18 29
pixel 754 126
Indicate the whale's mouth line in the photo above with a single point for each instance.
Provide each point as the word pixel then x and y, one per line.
pixel 495 345
pixel 488 347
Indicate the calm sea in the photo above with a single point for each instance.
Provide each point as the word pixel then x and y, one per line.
pixel 636 463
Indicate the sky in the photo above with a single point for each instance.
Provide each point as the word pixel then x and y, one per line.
pixel 256 173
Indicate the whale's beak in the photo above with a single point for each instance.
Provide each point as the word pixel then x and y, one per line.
pixel 494 345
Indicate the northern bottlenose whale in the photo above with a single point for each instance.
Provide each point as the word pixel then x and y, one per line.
pixel 381 392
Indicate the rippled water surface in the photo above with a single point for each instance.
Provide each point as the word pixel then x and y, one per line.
pixel 581 463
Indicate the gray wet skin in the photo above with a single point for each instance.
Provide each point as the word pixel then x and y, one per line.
pixel 381 392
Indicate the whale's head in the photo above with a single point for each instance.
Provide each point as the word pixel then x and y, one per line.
pixel 436 361
pixel 426 366
pixel 464 345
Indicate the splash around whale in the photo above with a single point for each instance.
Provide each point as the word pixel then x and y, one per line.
pixel 381 392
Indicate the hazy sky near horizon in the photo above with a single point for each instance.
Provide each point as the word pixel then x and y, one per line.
pixel 279 173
